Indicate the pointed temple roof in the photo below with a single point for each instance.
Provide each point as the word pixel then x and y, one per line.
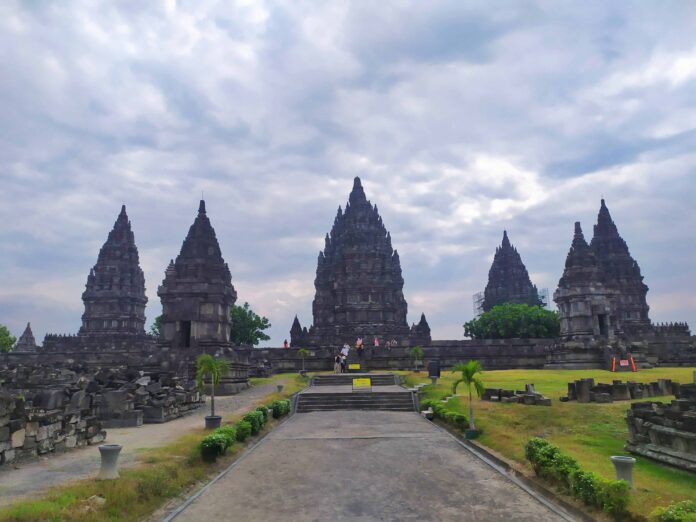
pixel 620 270
pixel 581 266
pixel 508 279
pixel 26 342
pixel 115 292
pixel 197 289
pixel 359 286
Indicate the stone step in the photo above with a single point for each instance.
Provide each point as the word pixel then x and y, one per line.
pixel 307 408
pixel 347 379
pixel 364 400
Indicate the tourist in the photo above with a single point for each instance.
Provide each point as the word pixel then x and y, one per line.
pixel 345 350
pixel 337 363
pixel 285 344
pixel 359 342
pixel 376 342
pixel 344 361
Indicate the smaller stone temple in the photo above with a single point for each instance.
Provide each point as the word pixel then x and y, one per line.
pixel 114 296
pixel 197 291
pixel 26 342
pixel 586 306
pixel 508 279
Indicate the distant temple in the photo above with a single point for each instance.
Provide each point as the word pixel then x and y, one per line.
pixel 602 292
pixel 26 342
pixel 359 286
pixel 508 280
pixel 114 296
pixel 197 292
pixel 621 272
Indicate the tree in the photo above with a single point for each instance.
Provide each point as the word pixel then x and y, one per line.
pixel 471 378
pixel 508 321
pixel 7 340
pixel 208 367
pixel 155 326
pixel 417 353
pixel 303 352
pixel 247 326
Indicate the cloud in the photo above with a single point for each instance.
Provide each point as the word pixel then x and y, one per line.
pixel 461 120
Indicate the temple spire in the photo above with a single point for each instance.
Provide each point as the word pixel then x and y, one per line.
pixel 357 195
pixel 201 207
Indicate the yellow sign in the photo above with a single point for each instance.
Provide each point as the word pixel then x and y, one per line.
pixel 362 383
pixel 354 366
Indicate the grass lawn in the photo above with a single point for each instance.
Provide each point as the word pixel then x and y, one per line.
pixel 162 474
pixel 589 432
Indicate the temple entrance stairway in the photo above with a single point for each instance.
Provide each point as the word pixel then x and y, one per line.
pixel 335 392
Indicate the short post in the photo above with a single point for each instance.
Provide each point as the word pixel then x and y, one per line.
pixel 624 468
pixel 279 387
pixel 433 380
pixel 109 461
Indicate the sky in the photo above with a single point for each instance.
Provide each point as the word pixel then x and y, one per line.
pixel 461 118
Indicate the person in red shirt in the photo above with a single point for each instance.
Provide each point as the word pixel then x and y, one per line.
pixel 285 343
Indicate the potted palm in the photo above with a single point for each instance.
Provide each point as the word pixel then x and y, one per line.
pixel 303 352
pixel 471 377
pixel 417 353
pixel 208 367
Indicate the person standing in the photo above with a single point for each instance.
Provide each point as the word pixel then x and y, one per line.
pixel 344 360
pixel 337 363
pixel 345 350
pixel 376 342
pixel 285 343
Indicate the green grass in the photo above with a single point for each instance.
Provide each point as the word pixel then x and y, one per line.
pixel 589 432
pixel 162 474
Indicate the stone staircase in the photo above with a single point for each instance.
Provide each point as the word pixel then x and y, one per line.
pixel 335 392
pixel 346 379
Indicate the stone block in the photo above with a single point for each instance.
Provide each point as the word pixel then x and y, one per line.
pixel 620 392
pixel 4 433
pixel 602 398
pixel 18 438
pixel 543 402
pixel 29 442
pixel 70 441
pixel 32 428
pixel 42 433
pixel 9 455
pixel 4 420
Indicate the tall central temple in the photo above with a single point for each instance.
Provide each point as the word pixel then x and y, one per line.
pixel 359 287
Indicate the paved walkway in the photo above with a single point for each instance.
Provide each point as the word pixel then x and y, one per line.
pixel 34 478
pixel 360 466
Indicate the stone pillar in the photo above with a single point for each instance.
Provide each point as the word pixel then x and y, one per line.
pixel 582 388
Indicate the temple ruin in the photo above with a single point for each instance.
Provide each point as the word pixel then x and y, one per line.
pixel 508 279
pixel 359 286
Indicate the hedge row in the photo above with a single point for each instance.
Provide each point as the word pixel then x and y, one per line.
pixel 680 512
pixel 220 440
pixel 612 496
pixel 454 418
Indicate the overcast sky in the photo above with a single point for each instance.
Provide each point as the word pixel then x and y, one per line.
pixel 461 118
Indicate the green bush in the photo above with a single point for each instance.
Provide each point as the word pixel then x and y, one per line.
pixel 212 446
pixel 243 430
pixel 680 512
pixel 264 412
pixel 455 418
pixel 255 418
pixel 230 434
pixel 613 496
pixel 280 408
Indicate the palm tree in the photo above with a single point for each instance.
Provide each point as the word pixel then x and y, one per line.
pixel 417 353
pixel 471 377
pixel 208 367
pixel 303 352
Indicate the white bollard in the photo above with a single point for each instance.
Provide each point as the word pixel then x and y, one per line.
pixel 624 468
pixel 109 459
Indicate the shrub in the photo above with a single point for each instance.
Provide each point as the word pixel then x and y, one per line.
pixel 264 412
pixel 230 434
pixel 212 446
pixel 243 430
pixel 613 496
pixel 255 418
pixel 457 419
pixel 541 454
pixel 562 468
pixel 510 320
pixel 585 486
pixel 680 512
pixel 280 408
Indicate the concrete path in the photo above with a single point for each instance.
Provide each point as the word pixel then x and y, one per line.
pixel 34 478
pixel 360 466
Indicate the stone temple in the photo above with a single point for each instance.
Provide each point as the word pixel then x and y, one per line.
pixel 197 291
pixel 508 280
pixel 359 286
pixel 114 296
pixel 26 342
pixel 601 293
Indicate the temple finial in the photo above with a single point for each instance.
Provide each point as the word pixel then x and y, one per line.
pixel 201 207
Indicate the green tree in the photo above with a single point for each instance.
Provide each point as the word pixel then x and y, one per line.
pixel 7 340
pixel 471 378
pixel 155 326
pixel 417 354
pixel 303 352
pixel 247 326
pixel 208 367
pixel 508 321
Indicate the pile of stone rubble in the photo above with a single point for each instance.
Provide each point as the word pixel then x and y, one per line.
pixel 529 396
pixel 585 390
